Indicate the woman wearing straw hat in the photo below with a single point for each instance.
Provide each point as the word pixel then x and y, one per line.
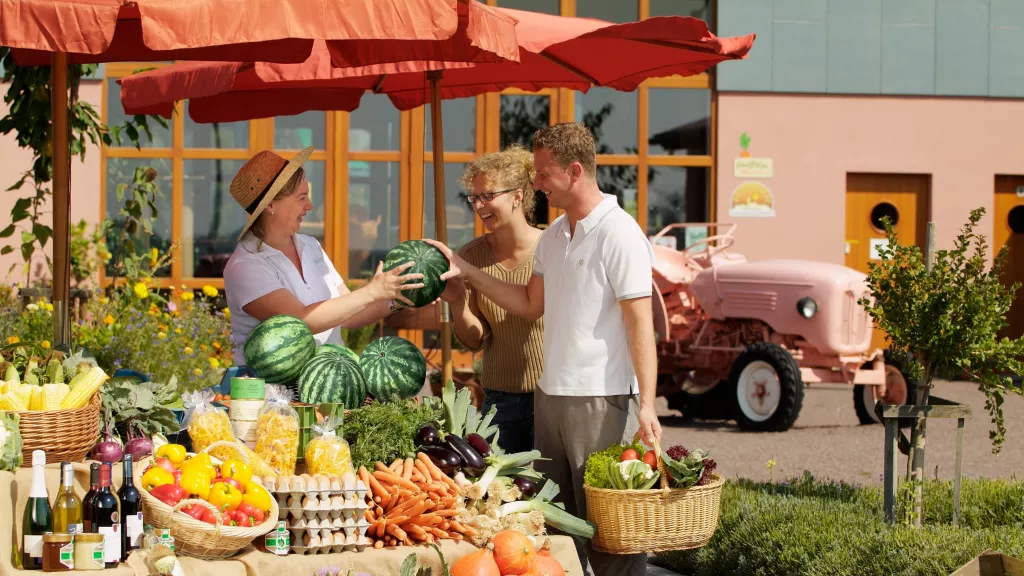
pixel 275 270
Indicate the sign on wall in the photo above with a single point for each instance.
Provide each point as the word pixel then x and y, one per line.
pixel 752 199
pixel 747 166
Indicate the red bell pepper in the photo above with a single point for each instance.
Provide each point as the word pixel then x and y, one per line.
pixel 195 510
pixel 249 510
pixel 239 518
pixel 177 477
pixel 208 516
pixel 169 494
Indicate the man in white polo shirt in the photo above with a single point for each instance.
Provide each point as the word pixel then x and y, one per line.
pixel 592 284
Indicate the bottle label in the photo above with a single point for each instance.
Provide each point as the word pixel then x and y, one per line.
pixel 34 545
pixel 76 529
pixel 67 555
pixel 134 528
pixel 111 543
pixel 98 554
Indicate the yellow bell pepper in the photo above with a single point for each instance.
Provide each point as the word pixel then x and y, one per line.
pixel 225 496
pixel 156 476
pixel 200 462
pixel 238 470
pixel 196 482
pixel 257 496
pixel 173 452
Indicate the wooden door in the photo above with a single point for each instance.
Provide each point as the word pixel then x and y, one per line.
pixel 869 198
pixel 1008 229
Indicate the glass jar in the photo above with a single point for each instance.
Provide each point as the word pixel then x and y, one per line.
pixel 58 552
pixel 89 551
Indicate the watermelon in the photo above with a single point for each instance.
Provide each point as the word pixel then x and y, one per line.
pixel 332 376
pixel 429 261
pixel 340 350
pixel 393 366
pixel 278 348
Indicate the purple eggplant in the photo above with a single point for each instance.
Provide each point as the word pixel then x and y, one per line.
pixel 479 444
pixel 447 460
pixel 471 459
pixel 526 486
pixel 428 436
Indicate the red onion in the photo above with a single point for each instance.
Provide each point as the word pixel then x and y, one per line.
pixel 139 447
pixel 107 451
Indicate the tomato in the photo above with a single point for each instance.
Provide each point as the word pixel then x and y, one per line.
pixel 629 454
pixel 651 459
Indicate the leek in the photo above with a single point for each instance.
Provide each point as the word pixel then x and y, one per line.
pixel 553 516
pixel 496 464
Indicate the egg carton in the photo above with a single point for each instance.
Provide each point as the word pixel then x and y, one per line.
pixel 323 527
pixel 309 507
pixel 318 485
pixel 330 543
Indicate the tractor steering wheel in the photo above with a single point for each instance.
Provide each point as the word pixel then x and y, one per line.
pixel 724 241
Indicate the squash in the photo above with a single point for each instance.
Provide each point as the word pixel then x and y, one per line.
pixel 479 563
pixel 513 552
pixel 546 565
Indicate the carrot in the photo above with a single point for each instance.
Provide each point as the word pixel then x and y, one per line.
pixel 380 466
pixel 396 480
pixel 407 468
pixel 447 513
pixel 364 476
pixel 395 531
pixel 396 466
pixel 467 530
pixel 422 468
pixel 379 490
pixel 438 532
pixel 368 515
pixel 435 472
pixel 398 520
pixel 408 504
pixel 378 544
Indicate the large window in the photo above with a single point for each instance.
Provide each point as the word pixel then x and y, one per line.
pixel 372 175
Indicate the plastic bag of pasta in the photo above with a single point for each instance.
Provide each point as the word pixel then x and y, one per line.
pixel 277 431
pixel 207 426
pixel 327 453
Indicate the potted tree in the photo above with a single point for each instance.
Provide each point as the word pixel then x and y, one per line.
pixel 943 312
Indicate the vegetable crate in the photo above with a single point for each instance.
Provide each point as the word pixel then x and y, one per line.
pixel 654 520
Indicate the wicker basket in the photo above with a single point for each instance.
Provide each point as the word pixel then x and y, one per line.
pixel 655 520
pixel 196 538
pixel 62 434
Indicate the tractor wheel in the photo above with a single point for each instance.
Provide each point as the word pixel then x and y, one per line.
pixel 768 389
pixel 900 389
pixel 717 403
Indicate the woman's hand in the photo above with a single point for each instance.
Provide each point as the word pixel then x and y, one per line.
pixel 454 291
pixel 389 285
pixel 455 263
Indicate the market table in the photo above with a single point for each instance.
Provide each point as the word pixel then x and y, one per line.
pixel 249 562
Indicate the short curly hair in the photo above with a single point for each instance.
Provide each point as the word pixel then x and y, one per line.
pixel 508 168
pixel 569 142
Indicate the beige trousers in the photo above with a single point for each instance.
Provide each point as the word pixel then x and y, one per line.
pixel 567 429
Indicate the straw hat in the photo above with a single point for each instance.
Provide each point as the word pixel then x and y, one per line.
pixel 260 180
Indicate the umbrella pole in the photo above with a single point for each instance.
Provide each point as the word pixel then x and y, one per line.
pixel 440 213
pixel 61 198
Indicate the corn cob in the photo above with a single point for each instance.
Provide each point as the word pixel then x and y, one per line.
pixel 11 403
pixel 83 391
pixel 36 401
pixel 24 393
pixel 50 397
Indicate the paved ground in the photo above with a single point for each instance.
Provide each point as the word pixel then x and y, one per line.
pixel 828 441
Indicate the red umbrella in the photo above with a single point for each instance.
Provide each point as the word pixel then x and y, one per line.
pixel 60 32
pixel 555 51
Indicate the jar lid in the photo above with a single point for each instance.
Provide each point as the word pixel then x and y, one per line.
pixel 89 537
pixel 60 538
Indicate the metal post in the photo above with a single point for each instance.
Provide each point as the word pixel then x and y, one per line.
pixel 889 475
pixel 958 470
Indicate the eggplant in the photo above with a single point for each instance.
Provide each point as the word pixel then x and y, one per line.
pixel 447 460
pixel 526 486
pixel 472 461
pixel 479 443
pixel 428 436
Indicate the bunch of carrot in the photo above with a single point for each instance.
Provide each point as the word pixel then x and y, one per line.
pixel 414 502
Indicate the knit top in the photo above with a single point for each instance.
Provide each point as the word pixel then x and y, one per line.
pixel 513 355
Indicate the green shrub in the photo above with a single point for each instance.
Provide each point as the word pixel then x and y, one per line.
pixel 808 527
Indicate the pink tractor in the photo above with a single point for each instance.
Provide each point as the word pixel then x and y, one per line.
pixel 739 340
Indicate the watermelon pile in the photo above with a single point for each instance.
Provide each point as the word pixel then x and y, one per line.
pixel 429 261
pixel 282 350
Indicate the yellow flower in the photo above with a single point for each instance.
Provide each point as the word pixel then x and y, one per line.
pixel 210 291
pixel 162 327
pixel 197 372
pixel 202 347
pixel 13 339
pixel 154 255
pixel 227 313
pixel 45 344
pixel 177 330
pixel 161 335
pixel 186 296
pixel 214 363
pixel 48 306
pixel 166 315
pixel 216 345
pixel 104 300
pixel 153 312
pixel 188 350
pixel 108 320
pixel 141 291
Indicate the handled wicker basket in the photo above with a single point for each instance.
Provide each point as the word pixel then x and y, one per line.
pixel 196 538
pixel 62 434
pixel 654 520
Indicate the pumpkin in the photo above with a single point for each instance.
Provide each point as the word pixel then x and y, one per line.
pixel 545 565
pixel 513 552
pixel 479 563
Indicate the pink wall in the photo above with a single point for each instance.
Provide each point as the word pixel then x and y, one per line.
pixel 85 182
pixel 815 140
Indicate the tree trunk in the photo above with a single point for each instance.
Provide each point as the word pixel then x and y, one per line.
pixel 917 449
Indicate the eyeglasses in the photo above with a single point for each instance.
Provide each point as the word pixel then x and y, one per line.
pixel 487 196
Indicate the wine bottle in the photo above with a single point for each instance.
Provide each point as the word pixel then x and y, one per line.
pixel 131 511
pixel 90 496
pixel 38 519
pixel 67 508
pixel 106 518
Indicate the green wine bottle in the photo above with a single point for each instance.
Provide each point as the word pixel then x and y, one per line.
pixel 38 519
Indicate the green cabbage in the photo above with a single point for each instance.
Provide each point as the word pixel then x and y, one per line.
pixel 10 439
pixel 595 473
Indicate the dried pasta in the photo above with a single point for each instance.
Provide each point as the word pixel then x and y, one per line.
pixel 277 431
pixel 328 453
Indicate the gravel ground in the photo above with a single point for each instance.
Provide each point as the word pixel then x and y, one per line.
pixel 828 441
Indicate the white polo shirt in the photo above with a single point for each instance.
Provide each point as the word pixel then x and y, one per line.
pixel 608 259
pixel 250 275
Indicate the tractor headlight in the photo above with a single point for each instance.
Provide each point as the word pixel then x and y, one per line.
pixel 807 307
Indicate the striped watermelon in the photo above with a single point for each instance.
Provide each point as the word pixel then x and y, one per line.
pixel 393 366
pixel 332 376
pixel 340 349
pixel 429 262
pixel 279 348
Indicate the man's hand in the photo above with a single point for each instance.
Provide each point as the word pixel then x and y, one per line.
pixel 650 427
pixel 454 291
pixel 455 268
